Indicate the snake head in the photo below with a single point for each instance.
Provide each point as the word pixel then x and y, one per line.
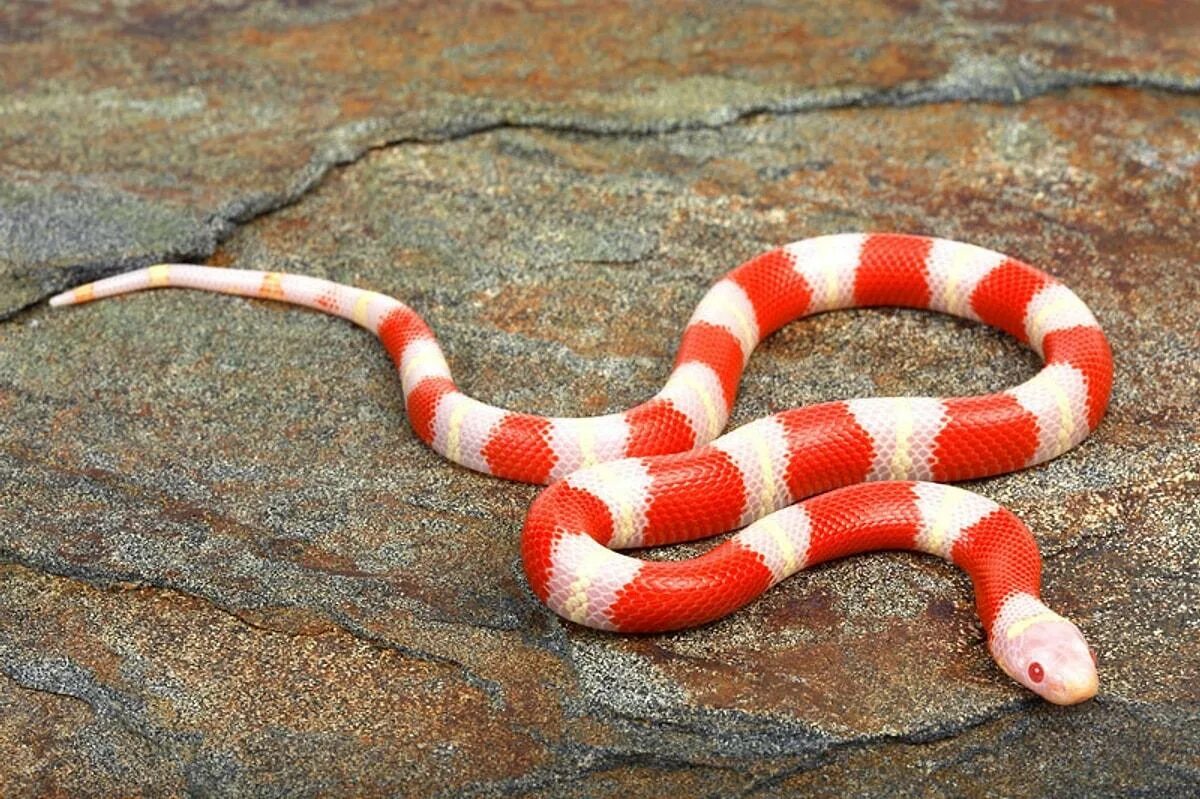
pixel 1048 655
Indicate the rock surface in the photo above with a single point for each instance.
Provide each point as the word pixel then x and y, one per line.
pixel 227 567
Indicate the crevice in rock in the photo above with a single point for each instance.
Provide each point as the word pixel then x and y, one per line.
pixel 120 583
pixel 772 740
pixel 1006 81
pixel 836 749
pixel 62 678
pixel 40 689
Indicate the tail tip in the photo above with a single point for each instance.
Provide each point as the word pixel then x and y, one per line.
pixel 75 296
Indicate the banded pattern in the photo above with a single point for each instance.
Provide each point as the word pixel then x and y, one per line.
pixel 646 596
pixel 624 487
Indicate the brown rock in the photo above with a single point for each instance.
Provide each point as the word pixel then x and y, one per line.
pixel 233 570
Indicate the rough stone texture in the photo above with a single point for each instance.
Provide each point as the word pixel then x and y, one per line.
pixel 230 569
pixel 150 129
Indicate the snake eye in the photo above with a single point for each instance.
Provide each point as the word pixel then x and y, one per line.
pixel 1092 652
pixel 1036 672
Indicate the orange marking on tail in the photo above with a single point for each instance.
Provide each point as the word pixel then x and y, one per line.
pixel 272 286
pixel 160 275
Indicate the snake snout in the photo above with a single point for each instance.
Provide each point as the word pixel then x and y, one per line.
pixel 1073 683
pixel 1051 658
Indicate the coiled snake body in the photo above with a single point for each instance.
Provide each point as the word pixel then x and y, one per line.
pixel 655 475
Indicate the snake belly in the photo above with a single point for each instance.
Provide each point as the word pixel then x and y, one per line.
pixel 869 471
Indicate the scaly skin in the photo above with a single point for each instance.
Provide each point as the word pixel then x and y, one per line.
pixel 650 475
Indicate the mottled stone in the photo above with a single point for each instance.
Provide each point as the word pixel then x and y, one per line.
pixel 231 569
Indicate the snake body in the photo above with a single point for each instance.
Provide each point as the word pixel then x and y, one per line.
pixel 869 471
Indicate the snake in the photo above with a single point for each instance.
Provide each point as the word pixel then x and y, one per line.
pixel 802 486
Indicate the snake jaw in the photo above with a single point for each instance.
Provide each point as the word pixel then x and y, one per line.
pixel 1049 657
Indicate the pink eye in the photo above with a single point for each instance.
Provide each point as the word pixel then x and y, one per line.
pixel 1036 672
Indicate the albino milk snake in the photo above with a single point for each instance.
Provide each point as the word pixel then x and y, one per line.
pixel 654 474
